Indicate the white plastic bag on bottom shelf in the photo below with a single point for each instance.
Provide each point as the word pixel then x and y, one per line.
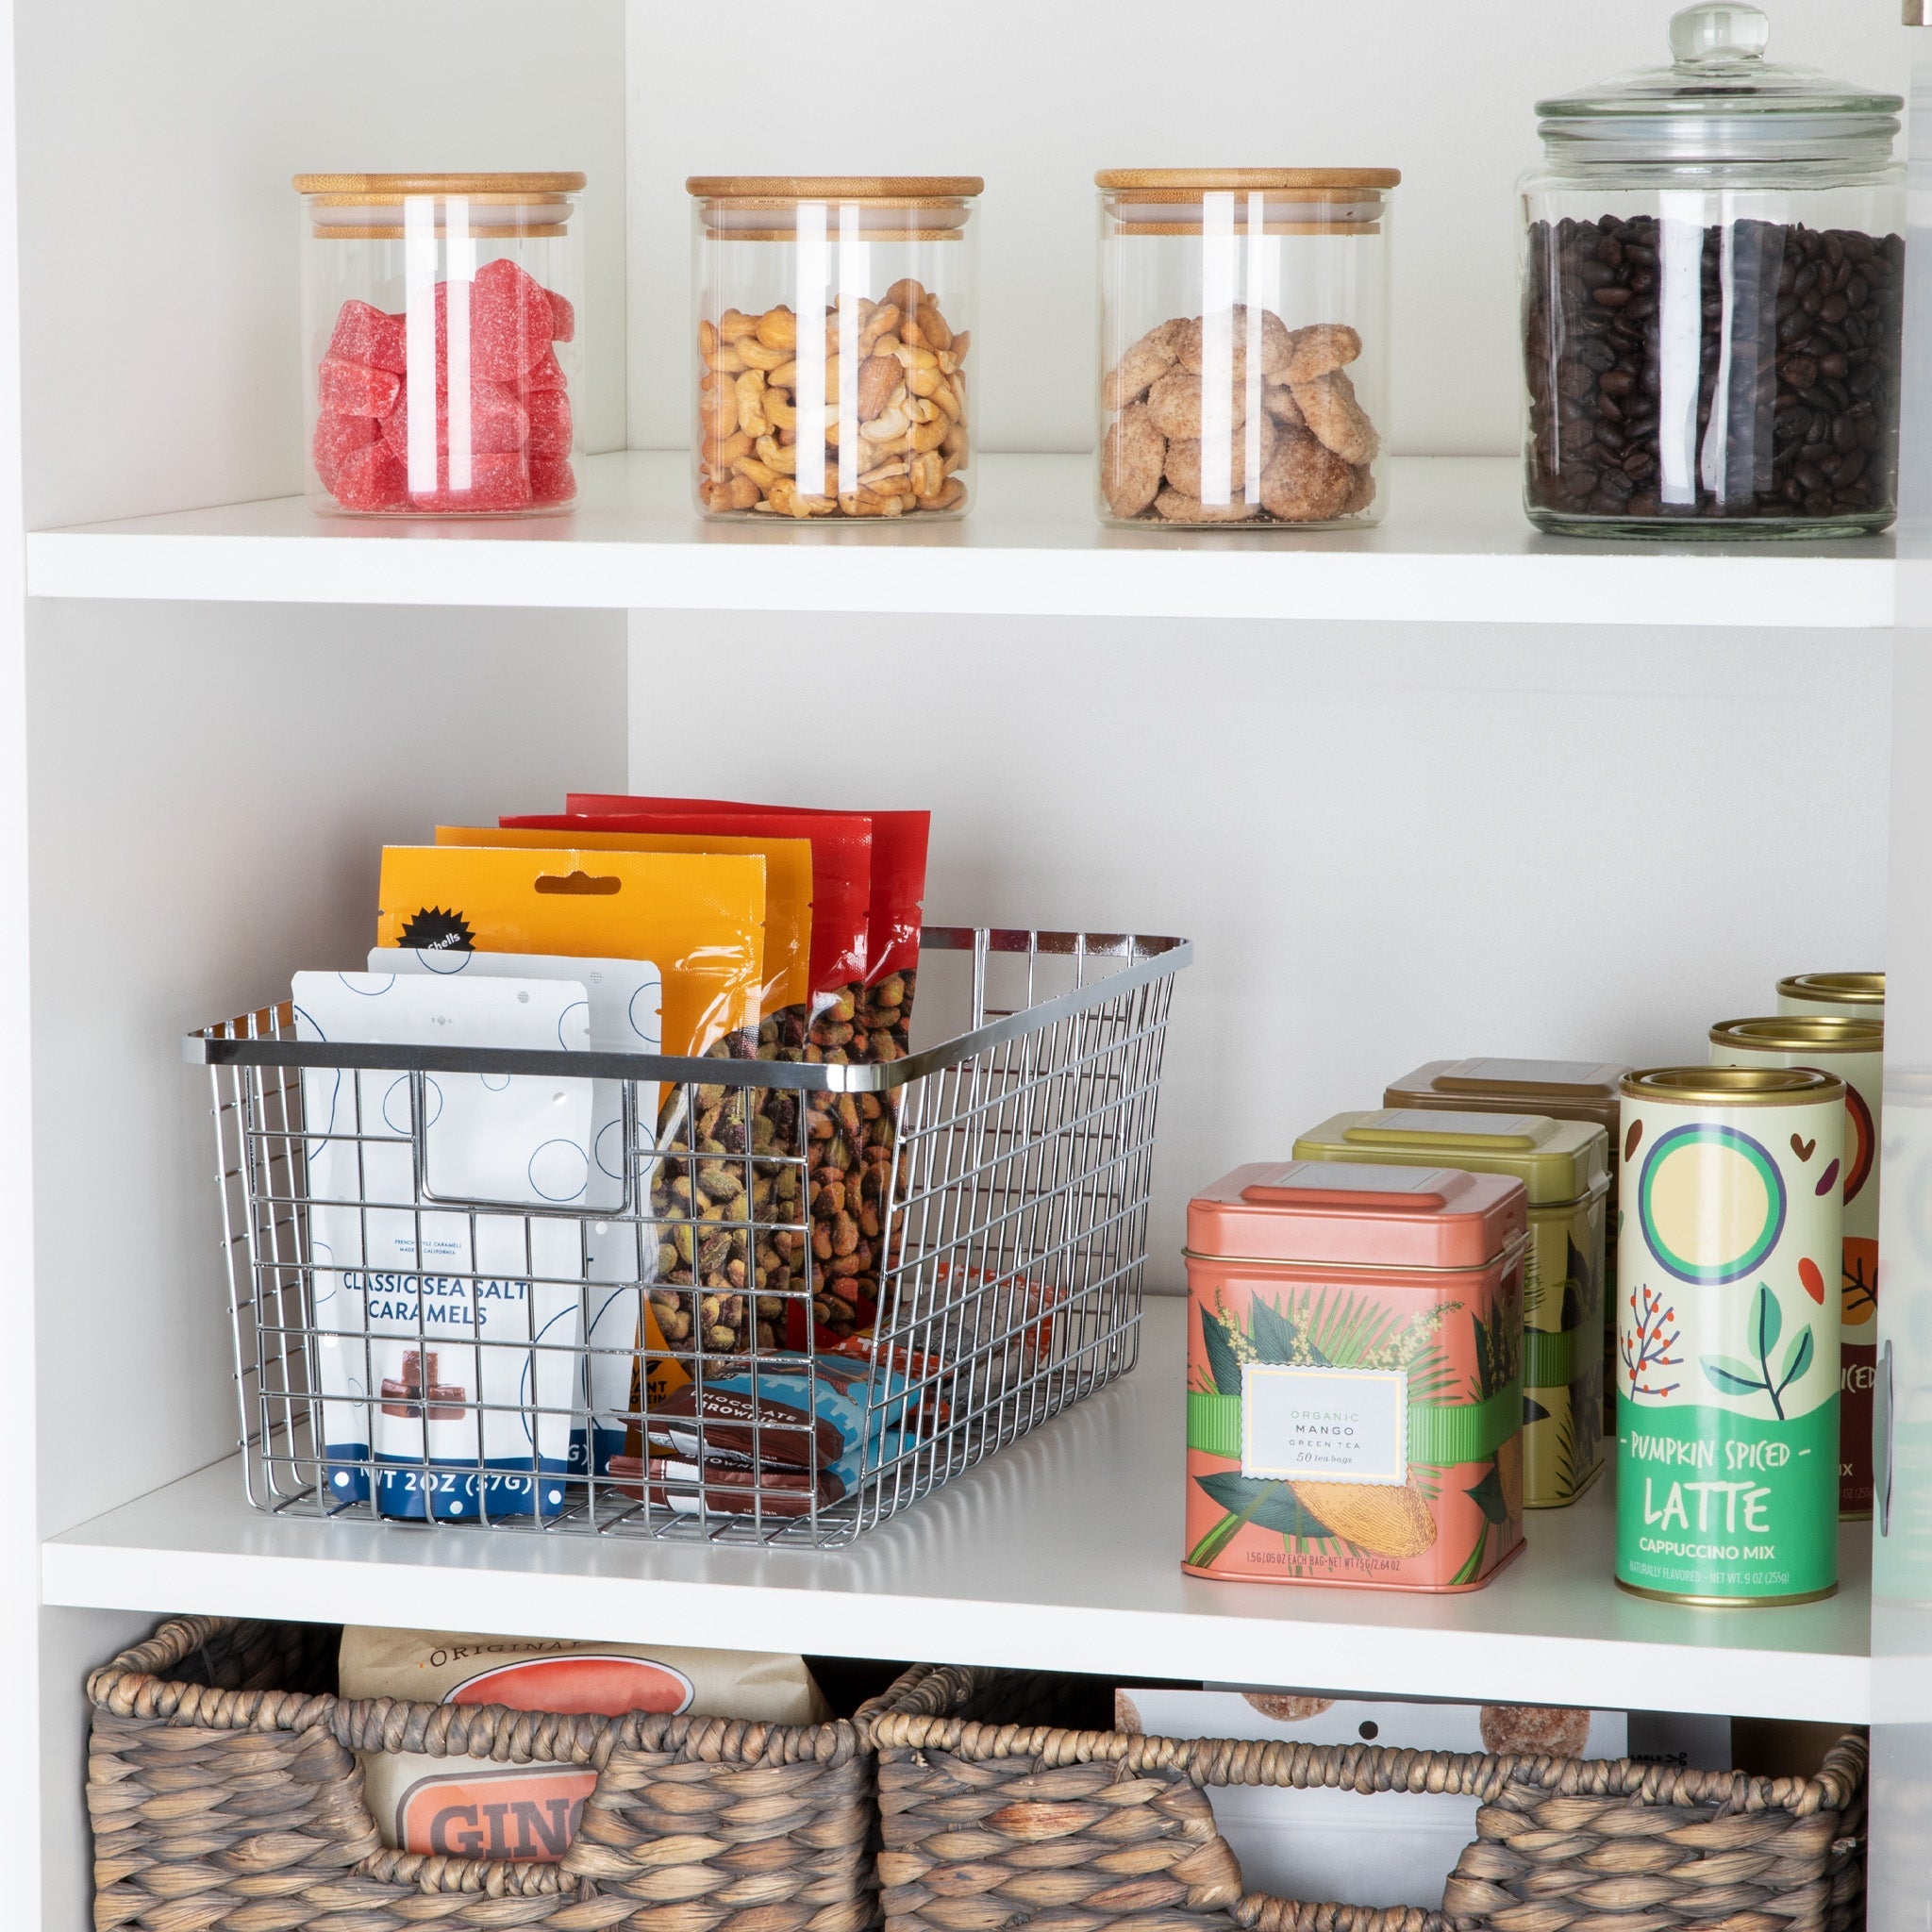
pixel 453 1363
pixel 1357 1848
pixel 625 999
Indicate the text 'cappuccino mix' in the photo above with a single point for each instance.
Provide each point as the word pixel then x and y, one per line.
pixel 1727 1334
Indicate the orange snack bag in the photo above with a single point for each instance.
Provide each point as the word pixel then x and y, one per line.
pixel 787 974
pixel 699 916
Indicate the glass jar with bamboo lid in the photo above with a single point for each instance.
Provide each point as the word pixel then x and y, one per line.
pixel 1244 345
pixel 440 342
pixel 832 359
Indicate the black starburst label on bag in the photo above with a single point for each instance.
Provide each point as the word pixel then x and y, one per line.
pixel 434 930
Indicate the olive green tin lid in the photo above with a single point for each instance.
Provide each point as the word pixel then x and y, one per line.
pixel 1559 1162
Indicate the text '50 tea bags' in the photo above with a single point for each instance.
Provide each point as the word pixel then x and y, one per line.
pixel 448 1369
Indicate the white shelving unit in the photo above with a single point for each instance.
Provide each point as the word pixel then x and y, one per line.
pixel 1062 1553
pixel 1447 786
pixel 1455 549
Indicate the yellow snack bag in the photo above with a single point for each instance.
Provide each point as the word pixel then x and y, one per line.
pixel 787 977
pixel 699 916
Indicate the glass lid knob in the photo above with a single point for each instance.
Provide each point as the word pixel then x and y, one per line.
pixel 1703 36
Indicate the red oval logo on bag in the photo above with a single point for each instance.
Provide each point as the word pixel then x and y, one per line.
pixel 577 1685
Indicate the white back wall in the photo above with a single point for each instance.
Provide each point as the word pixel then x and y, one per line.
pixel 183 216
pixel 1036 97
pixel 215 828
pixel 1390 843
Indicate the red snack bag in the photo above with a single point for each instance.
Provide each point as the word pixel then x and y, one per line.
pixel 855 1133
pixel 896 903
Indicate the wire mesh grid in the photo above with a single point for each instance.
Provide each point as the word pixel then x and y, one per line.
pixel 683 1357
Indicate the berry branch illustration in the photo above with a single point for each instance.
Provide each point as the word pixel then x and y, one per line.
pixel 1764 1325
pixel 1649 1348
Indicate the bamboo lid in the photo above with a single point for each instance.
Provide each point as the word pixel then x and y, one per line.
pixel 1223 181
pixel 890 191
pixel 380 190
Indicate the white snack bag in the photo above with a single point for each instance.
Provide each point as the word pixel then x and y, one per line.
pixel 447 1362
pixel 1357 1848
pixel 626 999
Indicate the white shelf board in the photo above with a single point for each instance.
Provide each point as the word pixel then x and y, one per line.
pixel 1454 548
pixel 1064 1553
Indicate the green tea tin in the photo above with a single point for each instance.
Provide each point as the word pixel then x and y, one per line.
pixel 1727 1339
pixel 1563 1166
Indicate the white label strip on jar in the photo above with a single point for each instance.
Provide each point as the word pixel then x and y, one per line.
pixel 1680 341
pixel 1218 287
pixel 855 266
pixel 419 337
pixel 460 270
pixel 809 349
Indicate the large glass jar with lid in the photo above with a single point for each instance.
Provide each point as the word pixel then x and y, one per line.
pixel 1712 295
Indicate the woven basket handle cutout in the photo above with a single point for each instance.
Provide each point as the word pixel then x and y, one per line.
pixel 489 1877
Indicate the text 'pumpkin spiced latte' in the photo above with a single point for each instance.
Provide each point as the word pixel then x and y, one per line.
pixel 1355 1392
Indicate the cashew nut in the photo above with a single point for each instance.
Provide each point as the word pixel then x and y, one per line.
pixel 717 407
pixel 778 328
pixel 751 393
pixel 892 423
pixel 927 473
pixel 882 321
pixel 926 436
pixel 757 356
pixel 774 456
pixel 734 325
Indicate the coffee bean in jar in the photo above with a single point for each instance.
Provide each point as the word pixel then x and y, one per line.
pixel 1712 298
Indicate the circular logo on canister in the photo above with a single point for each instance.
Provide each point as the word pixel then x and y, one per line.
pixel 1711 1202
pixel 1860 1139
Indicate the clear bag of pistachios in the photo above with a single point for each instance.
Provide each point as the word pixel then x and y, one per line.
pixel 867 879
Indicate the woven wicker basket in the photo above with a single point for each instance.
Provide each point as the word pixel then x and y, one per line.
pixel 225 1795
pixel 994 1825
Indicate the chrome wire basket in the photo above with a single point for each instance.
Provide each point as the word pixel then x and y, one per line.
pixel 675 1360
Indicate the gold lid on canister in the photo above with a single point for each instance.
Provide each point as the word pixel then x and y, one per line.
pixel 1837 988
pixel 1734 1086
pixel 1801 1032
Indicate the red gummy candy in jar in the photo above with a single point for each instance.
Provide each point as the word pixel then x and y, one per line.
pixel 440 342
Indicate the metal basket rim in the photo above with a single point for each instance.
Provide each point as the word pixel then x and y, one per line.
pixel 1150 958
